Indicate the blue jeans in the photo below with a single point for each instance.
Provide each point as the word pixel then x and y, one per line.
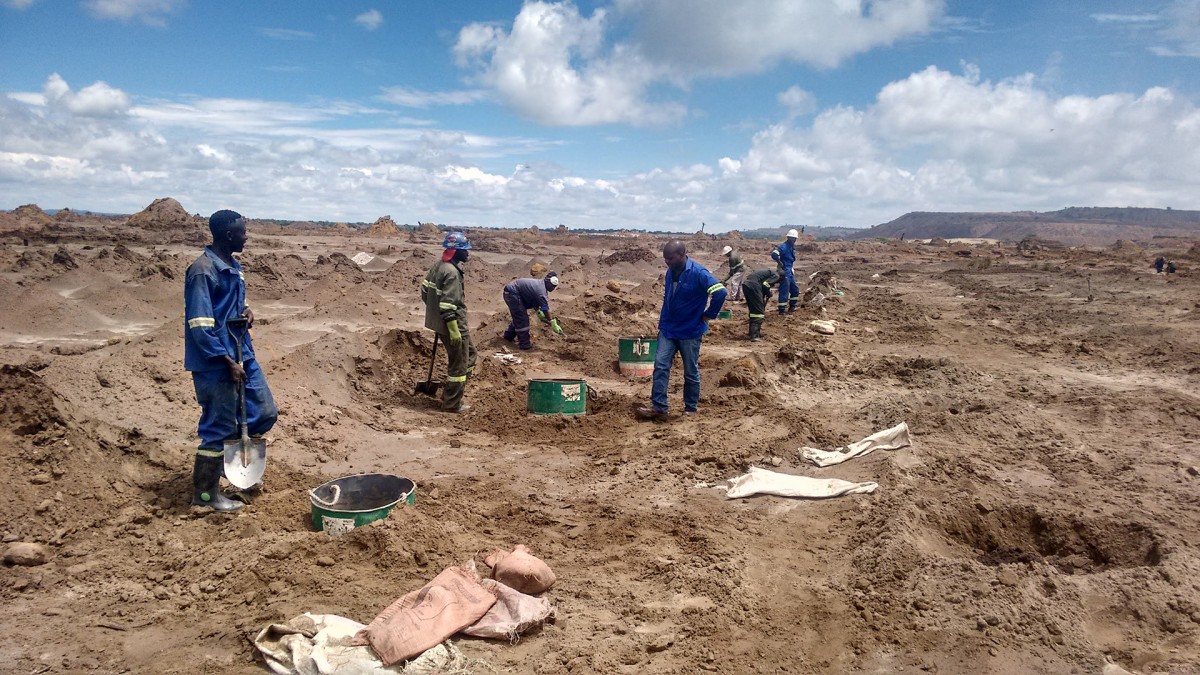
pixel 219 414
pixel 689 352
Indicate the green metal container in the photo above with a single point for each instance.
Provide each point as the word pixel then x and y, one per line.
pixel 725 314
pixel 557 397
pixel 346 503
pixel 636 356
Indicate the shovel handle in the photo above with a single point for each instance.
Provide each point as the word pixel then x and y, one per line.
pixel 337 494
pixel 433 358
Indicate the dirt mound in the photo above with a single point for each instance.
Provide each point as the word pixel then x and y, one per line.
pixel 338 262
pixel 31 216
pixel 164 214
pixel 629 255
pixel 384 227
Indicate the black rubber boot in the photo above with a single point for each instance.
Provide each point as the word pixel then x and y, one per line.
pixel 206 479
pixel 791 306
pixel 756 330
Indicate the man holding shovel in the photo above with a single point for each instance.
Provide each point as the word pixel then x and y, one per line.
pixel 446 315
pixel 215 298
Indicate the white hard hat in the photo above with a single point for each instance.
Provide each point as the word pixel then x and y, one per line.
pixel 727 250
pixel 792 233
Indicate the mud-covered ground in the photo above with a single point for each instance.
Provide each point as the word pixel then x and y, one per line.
pixel 1046 518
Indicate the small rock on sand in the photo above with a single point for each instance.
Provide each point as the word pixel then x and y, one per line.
pixel 26 554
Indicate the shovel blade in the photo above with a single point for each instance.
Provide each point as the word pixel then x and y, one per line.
pixel 245 463
pixel 428 387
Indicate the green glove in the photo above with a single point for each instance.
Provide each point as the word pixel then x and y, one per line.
pixel 541 315
pixel 455 336
pixel 555 325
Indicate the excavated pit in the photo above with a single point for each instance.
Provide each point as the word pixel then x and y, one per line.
pixel 1073 544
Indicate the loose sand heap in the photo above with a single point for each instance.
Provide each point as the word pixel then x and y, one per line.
pixel 1027 529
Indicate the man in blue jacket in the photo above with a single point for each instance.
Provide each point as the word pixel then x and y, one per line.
pixel 214 293
pixel 785 256
pixel 682 324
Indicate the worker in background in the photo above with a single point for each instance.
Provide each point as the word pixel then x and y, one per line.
pixel 737 270
pixel 785 257
pixel 446 315
pixel 1171 267
pixel 758 290
pixel 522 295
pixel 1158 264
pixel 692 297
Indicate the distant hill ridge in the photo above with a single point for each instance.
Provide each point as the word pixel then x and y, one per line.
pixel 1074 225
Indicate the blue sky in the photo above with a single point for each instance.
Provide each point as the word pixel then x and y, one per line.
pixel 628 113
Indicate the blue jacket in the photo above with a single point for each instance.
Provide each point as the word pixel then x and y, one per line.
pixel 785 255
pixel 684 303
pixel 531 291
pixel 213 293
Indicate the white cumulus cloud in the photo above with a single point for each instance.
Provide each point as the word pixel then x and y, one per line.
pixel 151 12
pixel 558 67
pixel 370 19
pixel 95 100
pixel 727 37
pixel 553 67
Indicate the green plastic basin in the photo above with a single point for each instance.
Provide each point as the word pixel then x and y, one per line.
pixel 346 503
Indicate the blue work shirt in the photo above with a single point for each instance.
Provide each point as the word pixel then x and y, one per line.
pixel 684 301
pixel 213 293
pixel 785 254
pixel 531 291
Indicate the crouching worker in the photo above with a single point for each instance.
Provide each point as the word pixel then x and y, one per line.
pixel 757 288
pixel 522 295
pixel 215 298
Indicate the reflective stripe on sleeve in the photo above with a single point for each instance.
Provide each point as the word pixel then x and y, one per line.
pixel 715 287
pixel 429 284
pixel 202 322
pixel 449 306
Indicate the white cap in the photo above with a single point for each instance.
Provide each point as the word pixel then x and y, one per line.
pixel 793 234
pixel 727 250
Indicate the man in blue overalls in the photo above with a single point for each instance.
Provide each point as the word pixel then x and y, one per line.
pixel 214 293
pixel 785 256
pixel 691 299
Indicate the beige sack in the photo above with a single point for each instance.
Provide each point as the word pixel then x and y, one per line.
pixel 421 619
pixel 520 570
pixel 513 614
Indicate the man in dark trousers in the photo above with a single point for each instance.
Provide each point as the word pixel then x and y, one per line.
pixel 446 314
pixel 757 288
pixel 522 295
pixel 682 324
pixel 215 294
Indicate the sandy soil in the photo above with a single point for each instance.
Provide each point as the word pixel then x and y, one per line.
pixel 1045 520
